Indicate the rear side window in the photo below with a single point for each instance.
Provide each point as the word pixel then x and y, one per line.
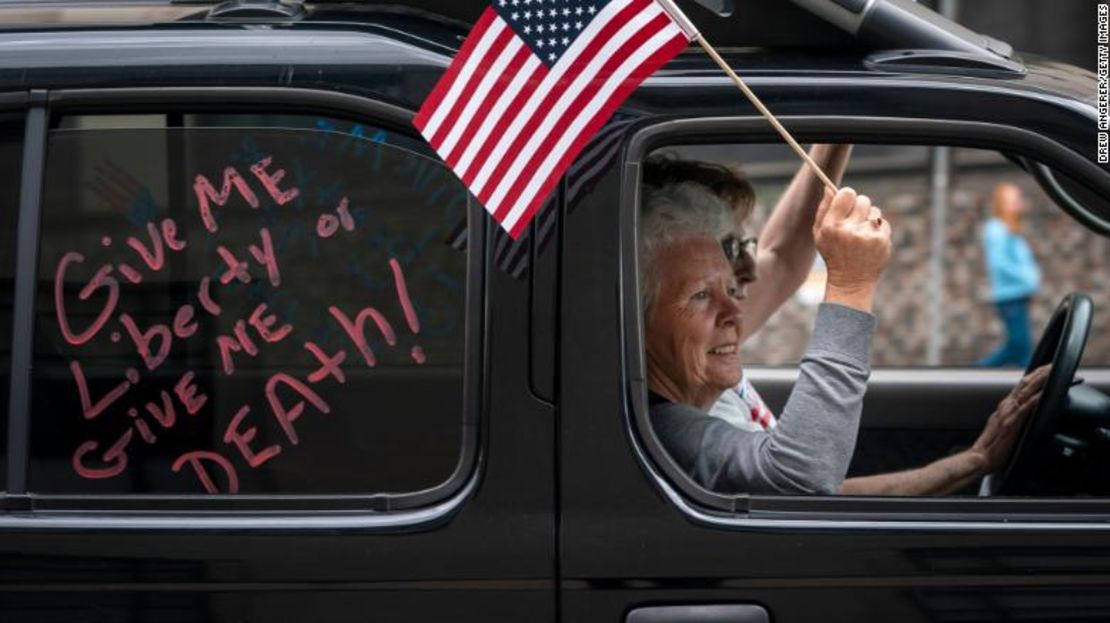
pixel 246 305
pixel 11 166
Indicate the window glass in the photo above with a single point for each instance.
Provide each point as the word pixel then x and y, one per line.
pixel 11 166
pixel 963 325
pixel 976 243
pixel 244 304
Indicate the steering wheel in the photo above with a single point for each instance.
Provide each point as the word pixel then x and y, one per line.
pixel 1061 345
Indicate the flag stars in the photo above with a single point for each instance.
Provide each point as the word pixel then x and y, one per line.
pixel 555 39
pixel 548 26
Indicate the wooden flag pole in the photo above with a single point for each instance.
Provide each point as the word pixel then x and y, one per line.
pixel 766 113
pixel 691 31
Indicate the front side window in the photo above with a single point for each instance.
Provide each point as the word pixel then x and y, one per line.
pixel 731 280
pixel 246 305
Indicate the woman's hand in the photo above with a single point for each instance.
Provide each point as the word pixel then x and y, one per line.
pixel 854 239
pixel 997 440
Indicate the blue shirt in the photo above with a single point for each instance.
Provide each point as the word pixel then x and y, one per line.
pixel 1013 272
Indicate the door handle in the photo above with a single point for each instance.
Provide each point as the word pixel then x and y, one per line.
pixel 746 613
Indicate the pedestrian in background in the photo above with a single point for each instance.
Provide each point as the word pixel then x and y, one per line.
pixel 1013 273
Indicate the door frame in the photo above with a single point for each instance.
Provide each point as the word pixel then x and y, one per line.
pixel 823 512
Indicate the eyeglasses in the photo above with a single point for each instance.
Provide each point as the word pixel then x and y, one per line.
pixel 733 246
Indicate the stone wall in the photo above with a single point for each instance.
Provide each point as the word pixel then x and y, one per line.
pixel 1071 258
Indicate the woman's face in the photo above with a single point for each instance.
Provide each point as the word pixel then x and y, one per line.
pixel 694 325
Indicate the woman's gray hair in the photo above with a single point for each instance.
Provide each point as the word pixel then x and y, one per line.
pixel 673 213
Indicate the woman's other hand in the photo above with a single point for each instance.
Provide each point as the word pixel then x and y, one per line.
pixel 854 240
pixel 996 442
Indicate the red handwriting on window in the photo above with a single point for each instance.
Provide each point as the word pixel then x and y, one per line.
pixel 197 459
pixel 240 341
pixel 90 409
pixel 143 339
pixel 287 416
pixel 328 224
pixel 356 330
pixel 153 256
pixel 329 364
pixel 264 255
pixel 413 321
pixel 188 393
pixel 102 279
pixel 204 295
pixel 270 181
pixel 287 397
pixel 240 434
pixel 182 327
pixel 264 322
pixel 236 269
pixel 242 439
pixel 164 414
pixel 206 193
pixel 183 324
pixel 115 458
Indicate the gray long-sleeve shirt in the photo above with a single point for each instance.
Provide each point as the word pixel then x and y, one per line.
pixel 809 450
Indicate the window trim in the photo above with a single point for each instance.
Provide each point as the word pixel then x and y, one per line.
pixel 383 510
pixel 16 427
pixel 823 512
pixel 23 301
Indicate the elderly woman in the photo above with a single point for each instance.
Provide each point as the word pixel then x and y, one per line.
pixel 694 326
pixel 780 267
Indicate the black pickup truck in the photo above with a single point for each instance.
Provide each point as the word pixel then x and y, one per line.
pixel 265 359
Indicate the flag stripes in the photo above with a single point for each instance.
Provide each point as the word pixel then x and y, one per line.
pixel 431 113
pixel 602 53
pixel 593 113
pixel 548 98
pixel 594 161
pixel 509 125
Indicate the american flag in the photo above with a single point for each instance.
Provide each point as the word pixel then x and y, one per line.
pixel 529 87
pixel 594 161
